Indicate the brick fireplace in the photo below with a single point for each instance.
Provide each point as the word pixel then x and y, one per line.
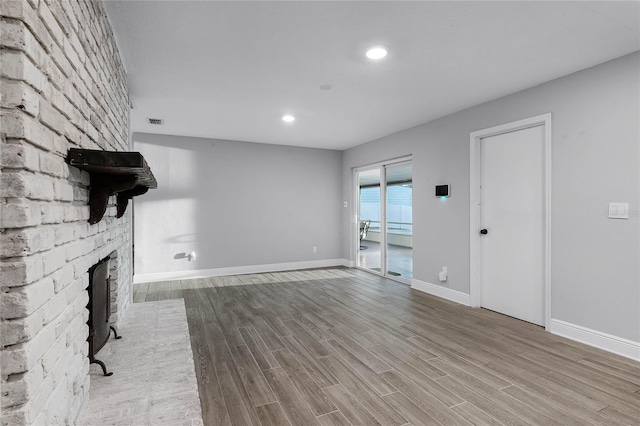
pixel 63 86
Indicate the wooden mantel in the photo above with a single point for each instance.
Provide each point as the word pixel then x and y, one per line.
pixel 125 174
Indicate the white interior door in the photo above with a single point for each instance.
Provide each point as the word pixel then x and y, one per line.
pixel 512 213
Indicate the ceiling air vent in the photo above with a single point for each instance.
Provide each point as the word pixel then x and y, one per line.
pixel 156 121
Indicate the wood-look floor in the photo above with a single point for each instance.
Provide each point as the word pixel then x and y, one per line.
pixel 340 346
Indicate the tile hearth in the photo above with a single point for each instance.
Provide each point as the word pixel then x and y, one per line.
pixel 153 381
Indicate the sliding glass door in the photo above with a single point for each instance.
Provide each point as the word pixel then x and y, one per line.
pixel 399 220
pixel 385 223
pixel 369 214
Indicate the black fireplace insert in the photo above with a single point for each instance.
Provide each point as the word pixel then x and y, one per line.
pixel 99 308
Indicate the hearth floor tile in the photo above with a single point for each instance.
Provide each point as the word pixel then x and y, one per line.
pixel 153 381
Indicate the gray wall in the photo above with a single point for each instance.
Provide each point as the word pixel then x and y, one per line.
pixel 235 204
pixel 595 160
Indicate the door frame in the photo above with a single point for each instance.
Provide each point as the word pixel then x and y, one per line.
pixel 475 169
pixel 355 203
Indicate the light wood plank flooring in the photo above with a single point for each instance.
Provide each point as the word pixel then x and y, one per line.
pixel 341 346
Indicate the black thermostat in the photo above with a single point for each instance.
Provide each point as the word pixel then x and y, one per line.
pixel 443 191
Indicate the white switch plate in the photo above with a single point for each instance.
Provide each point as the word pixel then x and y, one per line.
pixel 618 210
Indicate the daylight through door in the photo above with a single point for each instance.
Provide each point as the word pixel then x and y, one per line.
pixel 385 220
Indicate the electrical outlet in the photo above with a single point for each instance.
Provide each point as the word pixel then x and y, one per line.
pixel 442 275
pixel 619 210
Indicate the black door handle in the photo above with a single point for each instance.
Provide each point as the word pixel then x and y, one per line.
pixel 484 231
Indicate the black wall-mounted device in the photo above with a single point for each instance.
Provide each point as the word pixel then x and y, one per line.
pixel 443 191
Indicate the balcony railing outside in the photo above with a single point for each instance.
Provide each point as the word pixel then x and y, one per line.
pixel 404 228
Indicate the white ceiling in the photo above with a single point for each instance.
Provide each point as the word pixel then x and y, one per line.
pixel 230 70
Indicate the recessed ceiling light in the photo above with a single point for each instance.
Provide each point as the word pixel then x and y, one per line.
pixel 288 118
pixel 376 52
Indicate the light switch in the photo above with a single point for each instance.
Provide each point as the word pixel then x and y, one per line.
pixel 618 210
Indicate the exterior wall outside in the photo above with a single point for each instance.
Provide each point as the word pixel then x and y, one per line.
pixel 63 85
pixel 595 160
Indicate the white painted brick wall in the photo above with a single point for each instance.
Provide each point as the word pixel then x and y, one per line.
pixel 62 86
pixel 20 213
pixel 20 272
pixel 16 94
pixel 21 156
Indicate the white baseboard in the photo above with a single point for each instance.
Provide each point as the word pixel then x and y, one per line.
pixel 608 342
pixel 237 270
pixel 443 292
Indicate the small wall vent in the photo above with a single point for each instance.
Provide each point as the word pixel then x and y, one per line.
pixel 156 121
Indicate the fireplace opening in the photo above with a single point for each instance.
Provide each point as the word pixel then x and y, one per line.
pixel 99 310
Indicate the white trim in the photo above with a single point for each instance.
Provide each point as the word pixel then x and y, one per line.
pixel 354 228
pixel 475 288
pixel 442 292
pixel 383 221
pixel 398 160
pixel 617 345
pixel 237 270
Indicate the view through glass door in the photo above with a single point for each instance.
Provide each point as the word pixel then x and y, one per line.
pixel 369 213
pixel 385 232
pixel 399 220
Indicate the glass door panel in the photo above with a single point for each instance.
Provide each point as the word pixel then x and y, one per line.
pixel 369 216
pixel 399 220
